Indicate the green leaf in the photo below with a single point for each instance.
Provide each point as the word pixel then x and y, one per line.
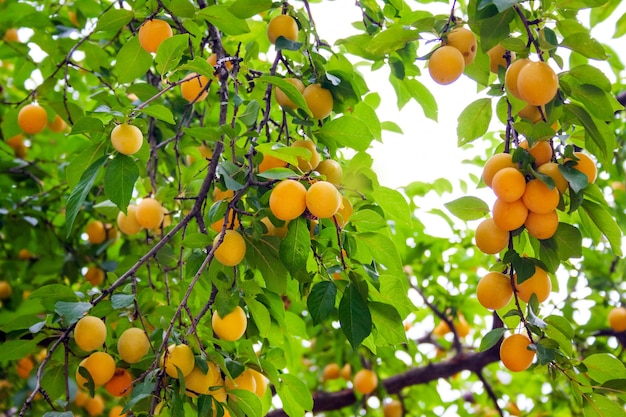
pixel 321 301
pixel 381 248
pixel 132 61
pixel 503 5
pixel 347 131
pixel 248 402
pixel 53 373
pixel 390 40
pixel 585 45
pixel 602 367
pixel 599 133
pixel 569 241
pixel 295 395
pixel 113 20
pixel 490 339
pixel 495 28
pixel 295 247
pixel 605 221
pixel 354 316
pixel 120 176
pixel 588 74
pixel 394 205
pixel 468 208
pixel 410 88
pixel 594 99
pixel 197 240
pixel 87 125
pixel 474 121
pixel 199 66
pixel 244 9
pixel 224 20
pixel 13 350
pixel 82 161
pixel 388 323
pixel 598 405
pixel 289 89
pixel 182 8
pixel 249 116
pixel 260 314
pixel 159 112
pixel 79 194
pixel 71 312
pixel 262 254
pixel 170 51
pixel 579 4
pixel 121 301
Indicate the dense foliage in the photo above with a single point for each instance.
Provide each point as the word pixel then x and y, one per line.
pixel 213 187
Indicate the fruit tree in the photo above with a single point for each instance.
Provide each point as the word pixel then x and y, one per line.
pixel 190 221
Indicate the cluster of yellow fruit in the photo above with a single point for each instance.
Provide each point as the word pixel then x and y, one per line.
pixel 461 326
pixel 448 61
pixel 318 99
pixel 521 202
pixel 32 119
pixel 148 214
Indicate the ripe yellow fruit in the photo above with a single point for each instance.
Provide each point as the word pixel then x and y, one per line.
pixel 489 238
pixel 17 144
pixel 152 33
pixel 260 382
pixel 268 162
pixel 232 250
pixel 539 284
pixel 116 411
pixel 441 329
pixel 365 381
pixel 331 371
pixel 514 352
pixel 282 98
pixel 537 83
pixel 393 408
pixel 231 223
pixel 90 333
pixel 197 382
pixel 282 25
pixel 586 165
pixel 212 59
pixel 5 290
pixel 101 367
pixel 25 366
pixel 58 124
pixel 24 254
pixel 230 327
pixel 94 275
pixel 344 212
pixel 446 64
pixel 178 356
pixel 497 58
pixel 494 164
pixel 551 169
pixel 11 35
pixel 330 169
pixel 542 225
pixel 539 198
pixel 288 200
pixel 465 41
pixel 494 290
pixel 346 372
pixel 81 398
pixel 319 100
pixel 32 119
pixel 149 213
pixel 133 345
pixel 617 319
pixel 323 199
pixel 192 86
pixel 95 406
pixel 121 384
pixel 509 216
pixel 96 232
pixel 512 74
pixel 219 194
pixel 274 230
pixel 462 326
pixel 532 113
pixel 310 163
pixel 244 380
pixel 509 184
pixel 128 222
pixel 541 151
pixel 126 139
